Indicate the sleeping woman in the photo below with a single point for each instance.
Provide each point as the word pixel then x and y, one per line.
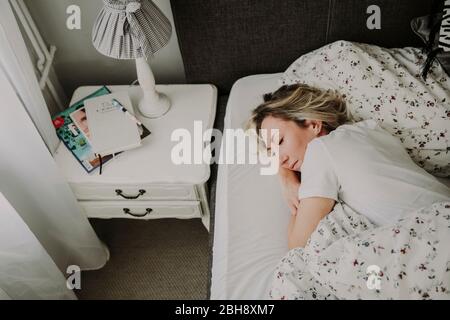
pixel 359 164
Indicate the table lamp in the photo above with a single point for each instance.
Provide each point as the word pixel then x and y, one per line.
pixel 135 29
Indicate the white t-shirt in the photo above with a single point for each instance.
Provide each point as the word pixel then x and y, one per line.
pixel 366 167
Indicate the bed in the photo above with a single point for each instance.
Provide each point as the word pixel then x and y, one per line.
pixel 250 211
pixel 236 45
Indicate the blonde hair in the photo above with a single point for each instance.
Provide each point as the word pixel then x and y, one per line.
pixel 300 102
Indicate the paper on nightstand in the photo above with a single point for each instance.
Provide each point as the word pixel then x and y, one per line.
pixel 111 130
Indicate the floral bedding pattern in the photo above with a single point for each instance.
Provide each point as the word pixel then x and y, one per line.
pixel 385 85
pixel 347 257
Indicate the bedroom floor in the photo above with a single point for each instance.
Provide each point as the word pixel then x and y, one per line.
pixel 155 259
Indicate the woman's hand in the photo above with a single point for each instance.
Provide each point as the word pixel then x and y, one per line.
pixel 290 184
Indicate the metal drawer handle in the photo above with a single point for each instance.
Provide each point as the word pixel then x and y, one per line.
pixel 147 211
pixel 120 193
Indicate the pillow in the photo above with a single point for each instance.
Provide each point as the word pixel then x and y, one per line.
pixel 385 85
pixel 433 26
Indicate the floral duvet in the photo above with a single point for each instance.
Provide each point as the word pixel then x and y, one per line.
pixel 347 257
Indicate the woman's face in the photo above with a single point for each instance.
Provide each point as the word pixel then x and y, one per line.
pixel 81 120
pixel 292 141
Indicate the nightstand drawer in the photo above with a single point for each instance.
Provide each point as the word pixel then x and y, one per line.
pixel 142 209
pixel 134 192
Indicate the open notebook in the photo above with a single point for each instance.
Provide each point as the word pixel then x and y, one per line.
pixel 112 125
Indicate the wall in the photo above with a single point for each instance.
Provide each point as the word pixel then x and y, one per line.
pixel 78 63
pixel 53 104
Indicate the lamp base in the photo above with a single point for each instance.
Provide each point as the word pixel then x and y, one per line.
pixel 154 108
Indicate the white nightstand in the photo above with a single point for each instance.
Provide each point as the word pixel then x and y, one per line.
pixel 157 187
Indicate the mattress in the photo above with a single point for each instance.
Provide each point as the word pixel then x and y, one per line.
pixel 251 220
pixel 250 235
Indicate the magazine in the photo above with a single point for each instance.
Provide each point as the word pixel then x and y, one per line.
pixel 73 130
pixel 77 140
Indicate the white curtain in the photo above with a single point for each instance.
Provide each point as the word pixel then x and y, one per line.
pixel 19 249
pixel 29 177
pixel 20 71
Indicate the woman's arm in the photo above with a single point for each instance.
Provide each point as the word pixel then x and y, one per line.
pixel 302 225
pixel 290 184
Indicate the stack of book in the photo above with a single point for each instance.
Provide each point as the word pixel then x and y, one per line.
pixel 99 126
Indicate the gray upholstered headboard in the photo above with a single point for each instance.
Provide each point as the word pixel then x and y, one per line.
pixel 224 40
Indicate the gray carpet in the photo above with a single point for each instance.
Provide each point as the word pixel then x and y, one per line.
pixel 155 259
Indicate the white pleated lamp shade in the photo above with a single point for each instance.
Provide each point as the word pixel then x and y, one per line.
pixel 130 29
pixel 135 29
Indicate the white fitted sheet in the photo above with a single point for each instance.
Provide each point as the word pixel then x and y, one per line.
pixel 251 219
